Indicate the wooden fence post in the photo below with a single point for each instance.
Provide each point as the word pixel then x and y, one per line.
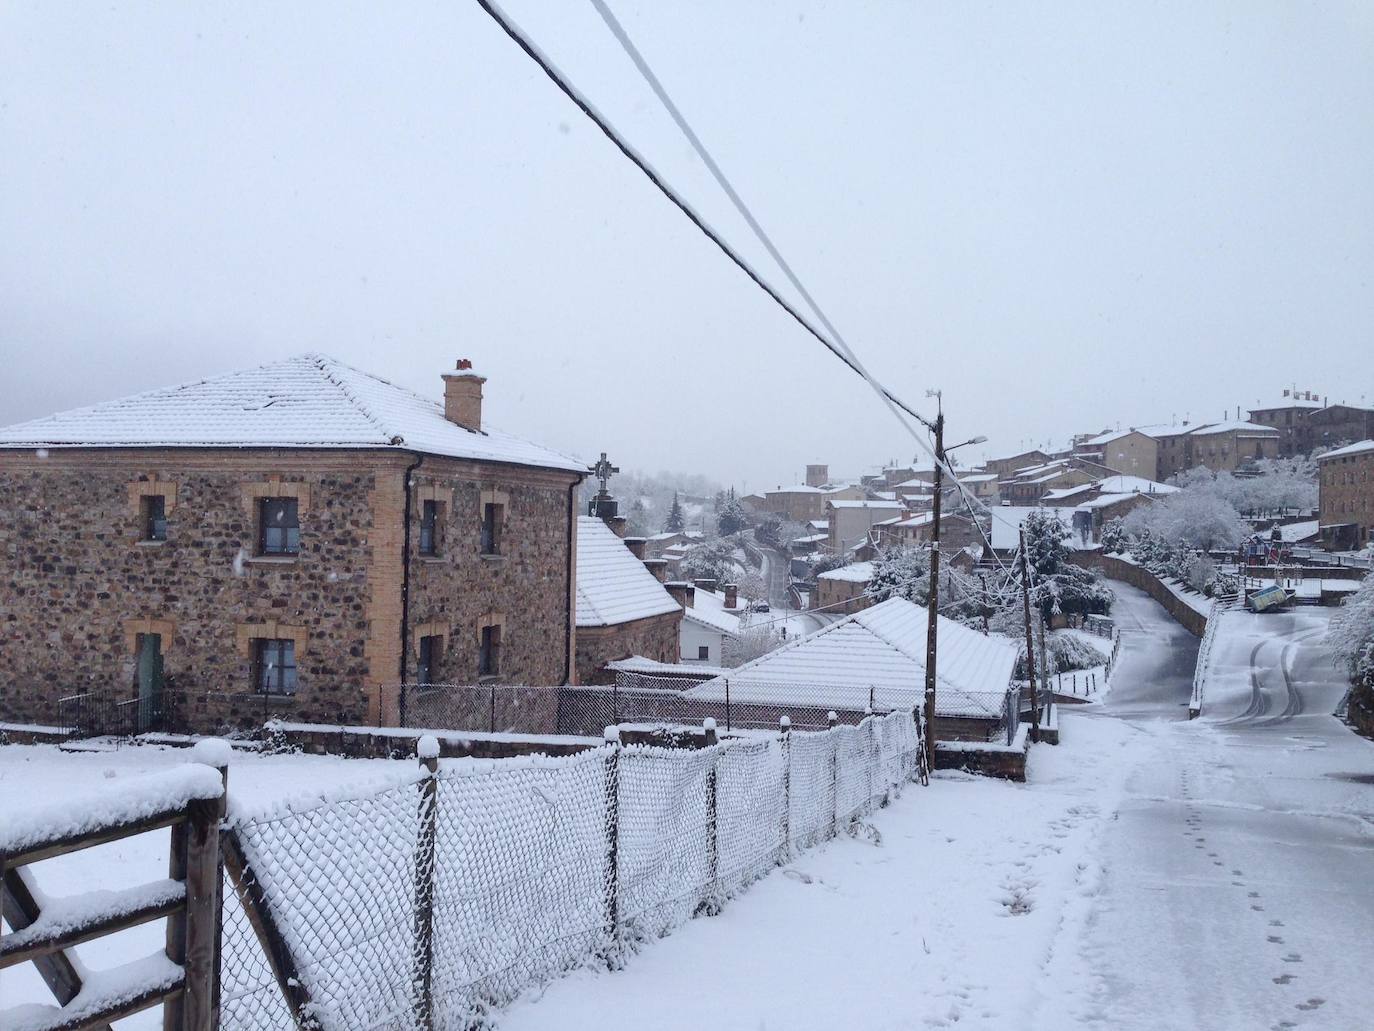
pixel 427 751
pixel 785 727
pixel 612 845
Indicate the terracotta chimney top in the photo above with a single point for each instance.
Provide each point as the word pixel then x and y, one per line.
pixel 636 546
pixel 731 596
pixel 463 396
pixel 657 566
pixel 705 584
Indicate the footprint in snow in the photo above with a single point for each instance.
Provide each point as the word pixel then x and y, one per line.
pixel 1293 957
pixel 797 875
pixel 1274 939
pixel 1254 894
pixel 1311 1003
pixel 1283 979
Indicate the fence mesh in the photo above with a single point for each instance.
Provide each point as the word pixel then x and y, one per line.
pixel 431 902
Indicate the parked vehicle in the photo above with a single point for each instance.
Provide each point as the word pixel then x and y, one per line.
pixel 1267 599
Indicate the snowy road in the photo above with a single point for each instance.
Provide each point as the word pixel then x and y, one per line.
pixel 1237 891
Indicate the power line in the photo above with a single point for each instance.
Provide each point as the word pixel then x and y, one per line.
pixel 839 348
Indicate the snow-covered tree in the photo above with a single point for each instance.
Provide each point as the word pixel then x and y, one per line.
pixel 752 587
pixel 712 559
pixel 751 643
pixel 675 522
pixel 1114 540
pixel 730 517
pixel 1202 519
pixel 1059 585
pixel 900 573
pixel 1351 634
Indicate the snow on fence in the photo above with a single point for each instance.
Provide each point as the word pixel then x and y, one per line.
pixel 429 902
pixel 1204 653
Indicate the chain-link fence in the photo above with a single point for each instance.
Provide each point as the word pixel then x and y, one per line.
pixel 431 901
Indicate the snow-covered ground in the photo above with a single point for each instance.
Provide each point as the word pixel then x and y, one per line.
pixel 1153 873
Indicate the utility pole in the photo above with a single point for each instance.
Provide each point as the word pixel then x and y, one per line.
pixel 983 579
pixel 1030 647
pixel 933 602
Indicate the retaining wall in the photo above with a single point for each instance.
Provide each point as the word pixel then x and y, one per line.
pixel 1110 566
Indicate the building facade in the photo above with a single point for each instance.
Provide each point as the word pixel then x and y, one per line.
pixel 290 542
pixel 1346 514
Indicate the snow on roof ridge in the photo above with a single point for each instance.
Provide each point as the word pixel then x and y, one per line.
pixel 327 364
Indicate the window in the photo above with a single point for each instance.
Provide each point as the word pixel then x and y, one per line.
pixel 274 667
pixel 153 511
pixel 279 528
pixel 492 517
pixel 489 657
pixel 703 651
pixel 429 528
pixel 431 649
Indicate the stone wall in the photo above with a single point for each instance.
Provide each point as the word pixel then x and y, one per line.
pixel 656 637
pixel 1007 762
pixel 1138 576
pixel 524 588
pixel 77 583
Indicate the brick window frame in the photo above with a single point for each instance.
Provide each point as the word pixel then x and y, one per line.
pixel 246 634
pixel 491 632
pixel 493 509
pixel 256 492
pixel 142 489
pixel 164 628
pixel 436 630
pixel 442 498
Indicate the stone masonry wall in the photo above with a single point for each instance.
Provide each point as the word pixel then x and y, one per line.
pixel 77 583
pixel 655 638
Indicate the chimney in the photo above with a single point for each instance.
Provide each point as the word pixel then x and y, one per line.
pixel 657 566
pixel 636 546
pixel 731 596
pixel 463 396
pixel 705 584
pixel 683 593
pixel 618 524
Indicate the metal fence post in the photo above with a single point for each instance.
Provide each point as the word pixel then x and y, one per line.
pixel 427 751
pixel 785 727
pixel 711 903
pixel 832 719
pixel 727 703
pixel 611 831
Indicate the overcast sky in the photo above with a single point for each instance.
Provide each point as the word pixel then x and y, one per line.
pixel 1065 216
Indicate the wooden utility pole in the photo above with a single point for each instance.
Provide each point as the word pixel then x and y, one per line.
pixel 933 602
pixel 1030 647
pixel 983 605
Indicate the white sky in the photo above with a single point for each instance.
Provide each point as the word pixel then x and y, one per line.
pixel 1064 215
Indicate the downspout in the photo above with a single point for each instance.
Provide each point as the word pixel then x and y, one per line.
pixel 572 585
pixel 405 570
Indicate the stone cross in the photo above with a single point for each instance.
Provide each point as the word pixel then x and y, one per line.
pixel 603 471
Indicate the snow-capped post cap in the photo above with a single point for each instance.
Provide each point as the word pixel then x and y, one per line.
pixel 211 751
pixel 832 717
pixel 785 723
pixel 708 725
pixel 612 735
pixel 427 747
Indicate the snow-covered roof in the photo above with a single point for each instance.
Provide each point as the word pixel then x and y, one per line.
pixel 1134 485
pixel 1234 426
pixel 1007 519
pixel 1350 449
pixel 887 506
pixel 917 485
pixel 1291 533
pixel 640 664
pixel 309 401
pixel 855 572
pixel 815 538
pixel 819 524
pixel 1059 493
pixel 882 648
pixel 709 609
pixel 1279 403
pixel 885 495
pixel 1107 500
pixel 976 477
pixel 612 585
pixel 799 488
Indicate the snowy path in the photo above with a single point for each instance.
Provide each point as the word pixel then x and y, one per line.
pixel 1154 873
pixel 1237 892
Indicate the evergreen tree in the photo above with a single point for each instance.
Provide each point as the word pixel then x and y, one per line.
pixel 1113 537
pixel 675 522
pixel 731 517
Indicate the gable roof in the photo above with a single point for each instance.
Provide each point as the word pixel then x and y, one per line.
pixel 708 609
pixel 881 649
pixel 1007 520
pixel 309 401
pixel 1358 448
pixel 1235 426
pixel 612 585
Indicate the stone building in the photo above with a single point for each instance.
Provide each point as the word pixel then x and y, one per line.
pixel 1126 451
pixel 286 541
pixel 1289 416
pixel 1226 446
pixel 1346 515
pixel 623 609
pixel 1338 425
